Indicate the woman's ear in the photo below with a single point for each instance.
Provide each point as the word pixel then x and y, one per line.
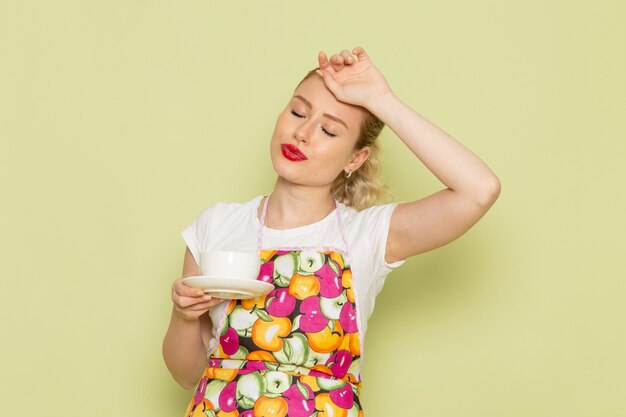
pixel 358 158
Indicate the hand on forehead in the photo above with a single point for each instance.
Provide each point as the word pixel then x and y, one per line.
pixel 317 97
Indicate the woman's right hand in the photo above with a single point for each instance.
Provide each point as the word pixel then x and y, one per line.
pixel 190 302
pixel 353 79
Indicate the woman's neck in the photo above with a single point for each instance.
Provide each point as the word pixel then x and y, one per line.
pixel 292 205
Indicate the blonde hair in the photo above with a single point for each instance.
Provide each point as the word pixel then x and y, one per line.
pixel 363 189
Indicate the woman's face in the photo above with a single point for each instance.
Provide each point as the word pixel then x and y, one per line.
pixel 315 135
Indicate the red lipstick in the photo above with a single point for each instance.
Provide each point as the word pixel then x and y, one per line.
pixel 292 153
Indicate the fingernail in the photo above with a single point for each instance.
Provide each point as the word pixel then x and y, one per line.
pixel 319 73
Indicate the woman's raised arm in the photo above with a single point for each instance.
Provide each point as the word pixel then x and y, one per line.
pixel 472 188
pixel 440 218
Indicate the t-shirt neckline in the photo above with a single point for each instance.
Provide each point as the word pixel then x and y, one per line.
pixel 294 230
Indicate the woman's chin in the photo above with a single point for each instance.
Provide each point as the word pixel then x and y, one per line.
pixel 290 172
pixel 286 169
pixel 287 178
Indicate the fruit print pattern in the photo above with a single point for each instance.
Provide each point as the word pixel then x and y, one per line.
pixel 272 393
pixel 294 351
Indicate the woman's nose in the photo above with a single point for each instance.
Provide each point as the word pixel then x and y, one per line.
pixel 302 132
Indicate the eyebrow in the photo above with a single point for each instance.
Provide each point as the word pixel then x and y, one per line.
pixel 330 116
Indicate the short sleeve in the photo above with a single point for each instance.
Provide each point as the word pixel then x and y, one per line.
pixel 377 220
pixel 196 234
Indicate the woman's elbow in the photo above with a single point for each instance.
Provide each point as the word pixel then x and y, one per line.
pixel 185 382
pixel 490 191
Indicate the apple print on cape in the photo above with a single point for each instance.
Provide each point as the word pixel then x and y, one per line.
pixel 309 312
pixel 294 351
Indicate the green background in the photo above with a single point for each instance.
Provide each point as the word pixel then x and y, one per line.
pixel 120 121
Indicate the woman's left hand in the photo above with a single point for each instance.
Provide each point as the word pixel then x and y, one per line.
pixel 353 81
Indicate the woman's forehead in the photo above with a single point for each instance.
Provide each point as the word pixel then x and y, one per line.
pixel 314 91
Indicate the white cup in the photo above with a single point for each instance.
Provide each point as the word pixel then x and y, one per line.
pixel 229 264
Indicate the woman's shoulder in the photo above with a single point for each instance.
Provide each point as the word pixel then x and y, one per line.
pixel 235 205
pixel 372 213
pixel 240 205
pixel 228 208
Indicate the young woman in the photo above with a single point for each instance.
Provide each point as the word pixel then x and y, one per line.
pixel 326 244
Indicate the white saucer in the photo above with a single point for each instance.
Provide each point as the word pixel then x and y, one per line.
pixel 229 288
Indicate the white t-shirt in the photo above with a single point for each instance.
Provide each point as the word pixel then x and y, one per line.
pixel 234 226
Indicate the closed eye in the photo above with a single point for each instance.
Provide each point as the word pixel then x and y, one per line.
pixel 328 133
pixel 332 135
